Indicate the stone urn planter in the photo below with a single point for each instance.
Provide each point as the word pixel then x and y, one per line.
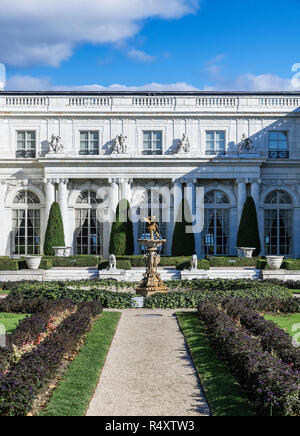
pixel 62 251
pixel 59 251
pixel 240 252
pixel 67 252
pixel 275 262
pixel 248 251
pixel 33 262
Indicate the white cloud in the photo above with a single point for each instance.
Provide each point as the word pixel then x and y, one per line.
pixel 140 56
pixel 47 33
pixel 28 83
pixel 252 82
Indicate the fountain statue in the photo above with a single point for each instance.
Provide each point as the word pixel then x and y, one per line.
pixel 152 282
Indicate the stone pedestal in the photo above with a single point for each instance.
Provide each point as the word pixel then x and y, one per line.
pixel 112 274
pixel 194 274
pixel 152 282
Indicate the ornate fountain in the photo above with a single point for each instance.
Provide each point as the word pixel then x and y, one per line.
pixel 152 282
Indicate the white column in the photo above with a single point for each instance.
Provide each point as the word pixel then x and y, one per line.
pixel 126 189
pixel 177 192
pixel 255 193
pixel 63 203
pixel 189 195
pixel 242 195
pixel 5 227
pixel 50 196
pixel 114 195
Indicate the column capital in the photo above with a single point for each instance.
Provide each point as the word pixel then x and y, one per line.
pixel 258 181
pixel 112 180
pixel 64 181
pixel 189 181
pixel 177 181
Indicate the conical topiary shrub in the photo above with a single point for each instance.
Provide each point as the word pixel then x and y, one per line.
pixel 55 236
pixel 248 233
pixel 121 237
pixel 183 243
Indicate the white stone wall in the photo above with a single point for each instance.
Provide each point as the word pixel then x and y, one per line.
pixel 62 177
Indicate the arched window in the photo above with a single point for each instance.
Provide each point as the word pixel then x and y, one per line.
pixel 152 205
pixel 216 225
pixel 278 224
pixel 26 214
pixel 89 230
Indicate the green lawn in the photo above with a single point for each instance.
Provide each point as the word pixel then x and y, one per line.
pixel 222 390
pixel 286 322
pixel 74 393
pixel 3 292
pixel 295 291
pixel 10 321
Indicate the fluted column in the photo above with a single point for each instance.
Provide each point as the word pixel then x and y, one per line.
pixel 177 192
pixel 63 200
pixel 242 195
pixel 4 229
pixel 189 196
pixel 50 196
pixel 114 195
pixel 126 189
pixel 255 193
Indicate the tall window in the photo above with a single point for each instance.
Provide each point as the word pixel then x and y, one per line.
pixel 89 230
pixel 89 143
pixel 215 142
pixel 152 205
pixel 152 143
pixel 216 227
pixel 26 144
pixel 278 145
pixel 278 231
pixel 26 224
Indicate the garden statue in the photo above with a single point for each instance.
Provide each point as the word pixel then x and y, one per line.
pixel 194 262
pixel 120 144
pixel 112 262
pixel 152 281
pixel 152 227
pixel 183 145
pixel 55 145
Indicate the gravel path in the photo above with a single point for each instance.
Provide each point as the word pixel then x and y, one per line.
pixel 148 371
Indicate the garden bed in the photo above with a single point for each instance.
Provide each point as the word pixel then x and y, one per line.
pixel 259 354
pixel 111 294
pixel 40 346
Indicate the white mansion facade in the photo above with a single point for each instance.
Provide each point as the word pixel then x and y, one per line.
pixel 86 150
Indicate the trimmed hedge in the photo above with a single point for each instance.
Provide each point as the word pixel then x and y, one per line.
pixel 183 242
pixel 9 265
pixel 273 339
pixel 55 236
pixel 232 261
pixel 121 237
pixel 287 264
pixel 271 385
pixel 248 232
pixel 182 264
pixel 121 264
pixel 76 261
pixel 32 374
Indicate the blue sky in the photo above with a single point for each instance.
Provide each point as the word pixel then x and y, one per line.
pixel 150 44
